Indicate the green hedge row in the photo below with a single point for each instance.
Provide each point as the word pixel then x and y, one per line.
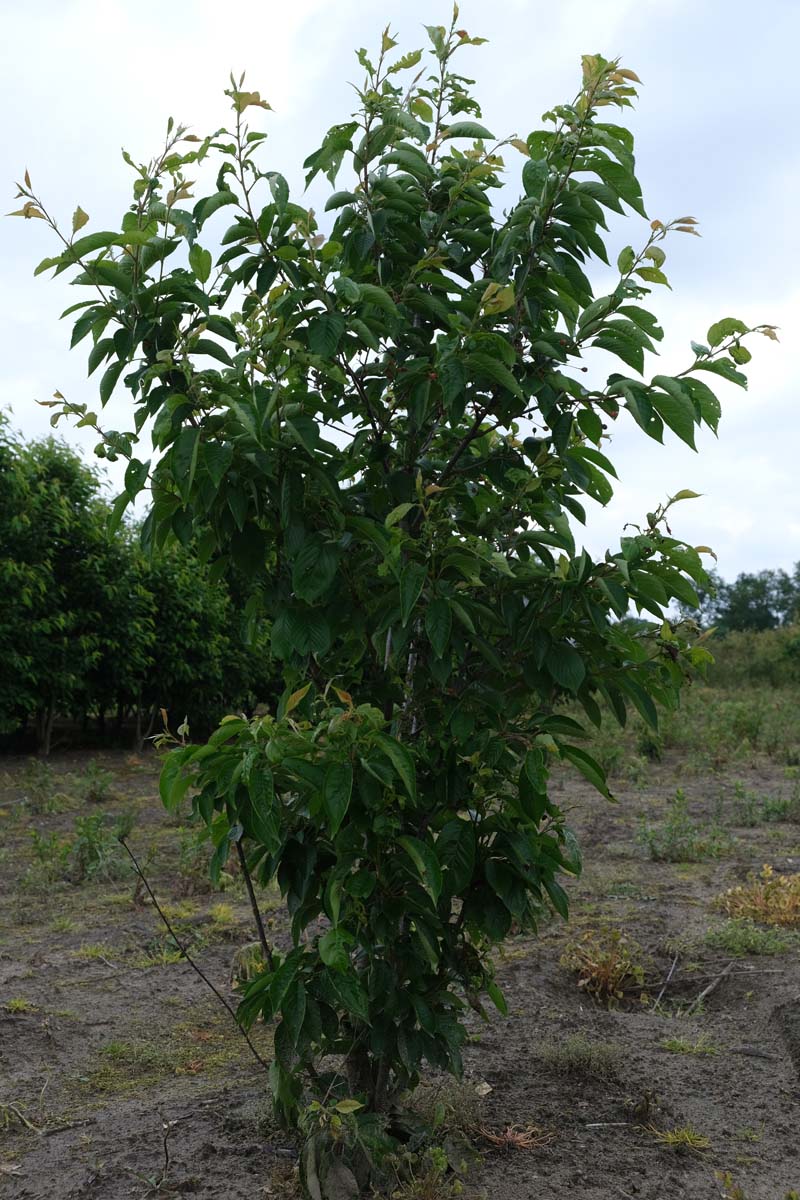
pixel 91 627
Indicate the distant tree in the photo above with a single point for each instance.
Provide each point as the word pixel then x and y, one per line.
pixel 757 601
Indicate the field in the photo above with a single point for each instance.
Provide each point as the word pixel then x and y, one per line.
pixel 652 1047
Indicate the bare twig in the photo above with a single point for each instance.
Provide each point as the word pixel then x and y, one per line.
pixel 665 984
pixel 712 987
pixel 189 959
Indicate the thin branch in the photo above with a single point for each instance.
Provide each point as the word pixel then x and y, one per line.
pixel 189 959
pixel 262 937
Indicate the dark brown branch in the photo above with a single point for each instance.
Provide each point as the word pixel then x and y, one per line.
pixel 262 937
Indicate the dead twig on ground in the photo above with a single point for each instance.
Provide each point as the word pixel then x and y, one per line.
pixel 712 987
pixel 665 984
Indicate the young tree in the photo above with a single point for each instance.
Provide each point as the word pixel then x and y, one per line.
pixel 386 420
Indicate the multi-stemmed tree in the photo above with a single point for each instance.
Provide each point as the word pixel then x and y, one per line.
pixel 382 417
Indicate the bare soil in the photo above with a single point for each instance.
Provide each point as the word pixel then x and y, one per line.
pixel 109 1043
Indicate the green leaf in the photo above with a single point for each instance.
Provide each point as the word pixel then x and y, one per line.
pixel 723 329
pixel 626 259
pixel 423 856
pixel 334 949
pixel 397 514
pixel 438 625
pixel 455 849
pixel 466 129
pixel 401 760
pixel 497 998
pixel 566 666
pixel 200 261
pixel 652 275
pixel 486 367
pixel 183 460
pixel 109 381
pixel 588 767
pixel 412 581
pixel 675 408
pixel 379 297
pixel 336 794
pixel 324 334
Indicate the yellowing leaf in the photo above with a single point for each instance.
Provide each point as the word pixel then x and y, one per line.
pixel 624 73
pixel 243 100
pixel 686 494
pixel 498 298
pixel 295 699
pixel 656 225
pixel 387 42
pixel 769 331
pixel 518 144
pixel 705 550
pixel 27 178
pixel 28 210
pixel 79 219
pixel 345 697
pixel 348 1106
pixel 686 221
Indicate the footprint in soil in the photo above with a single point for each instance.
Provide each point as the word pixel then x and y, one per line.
pixel 789 1022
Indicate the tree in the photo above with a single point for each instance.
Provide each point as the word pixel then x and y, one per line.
pixel 757 601
pixel 385 423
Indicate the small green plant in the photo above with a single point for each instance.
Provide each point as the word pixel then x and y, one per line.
pixel 741 936
pixel 96 851
pixel 679 838
pixel 41 792
pixel 608 964
pixel 733 1191
pixel 576 1055
pixel 684 1139
pixel 18 1004
pixel 51 854
pixel 679 1045
pixel 94 784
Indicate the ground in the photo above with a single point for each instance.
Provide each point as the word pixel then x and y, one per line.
pixel 110 1044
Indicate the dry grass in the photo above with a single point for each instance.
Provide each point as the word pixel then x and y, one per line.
pixel 768 898
pixel 608 964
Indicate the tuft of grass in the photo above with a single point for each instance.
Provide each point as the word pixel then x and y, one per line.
pixel 18 1004
pixel 767 898
pixel 449 1105
pixel 732 1190
pixel 576 1055
pixel 608 964
pixel 740 937
pixel 684 1139
pixel 95 950
pixel 679 1045
pixel 158 956
pixel 680 839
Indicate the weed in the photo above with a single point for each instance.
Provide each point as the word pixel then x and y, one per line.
pixel 160 956
pixel 741 936
pixel 680 839
pixel 428 1178
pixel 96 850
pixel 679 1045
pixel 63 924
pixel 608 964
pixel 40 790
pixel 448 1105
pixel 18 1004
pixel 576 1055
pixel 732 1190
pixel 50 858
pixel 94 783
pixel 95 950
pixel 769 898
pixel 752 809
pixel 683 1139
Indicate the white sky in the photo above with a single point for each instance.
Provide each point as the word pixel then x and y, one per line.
pixel 716 136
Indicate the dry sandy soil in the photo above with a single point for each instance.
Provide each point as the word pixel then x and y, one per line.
pixel 106 1035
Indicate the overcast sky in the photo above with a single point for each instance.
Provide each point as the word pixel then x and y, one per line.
pixel 716 129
